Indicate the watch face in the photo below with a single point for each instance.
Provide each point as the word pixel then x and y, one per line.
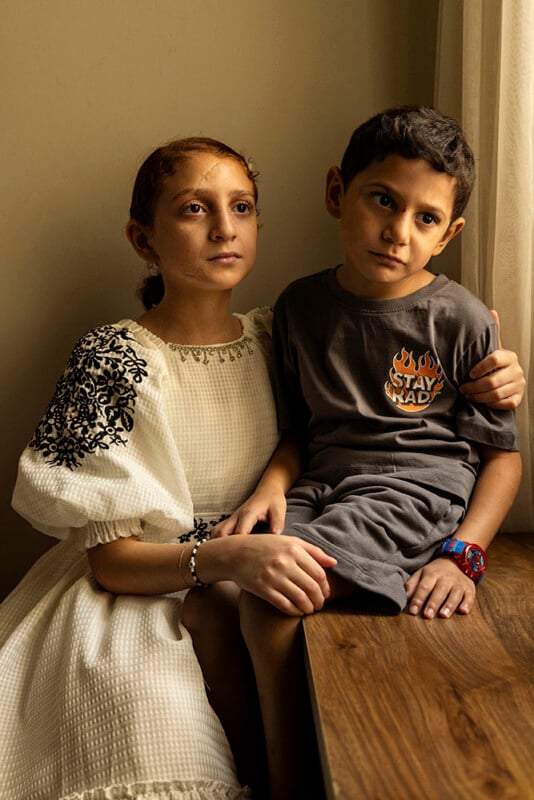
pixel 474 559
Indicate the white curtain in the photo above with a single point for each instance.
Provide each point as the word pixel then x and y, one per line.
pixel 485 78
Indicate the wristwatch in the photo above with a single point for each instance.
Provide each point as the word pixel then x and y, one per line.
pixel 470 558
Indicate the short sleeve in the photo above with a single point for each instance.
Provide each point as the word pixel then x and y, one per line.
pixel 480 423
pixel 292 409
pixel 102 463
pixel 261 319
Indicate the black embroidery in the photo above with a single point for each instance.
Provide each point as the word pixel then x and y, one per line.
pixel 202 529
pixel 94 402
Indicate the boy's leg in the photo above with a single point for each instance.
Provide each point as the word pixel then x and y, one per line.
pixel 381 527
pixel 275 645
pixel 212 619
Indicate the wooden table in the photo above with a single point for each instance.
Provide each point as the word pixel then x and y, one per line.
pixel 430 709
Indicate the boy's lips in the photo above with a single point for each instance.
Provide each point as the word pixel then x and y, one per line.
pixel 386 257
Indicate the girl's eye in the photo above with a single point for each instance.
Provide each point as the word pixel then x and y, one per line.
pixel 382 199
pixel 243 207
pixel 193 208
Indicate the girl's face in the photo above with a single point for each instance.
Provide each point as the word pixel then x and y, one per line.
pixel 205 229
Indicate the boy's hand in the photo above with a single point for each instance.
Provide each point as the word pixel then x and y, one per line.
pixel 498 380
pixel 439 589
pixel 262 506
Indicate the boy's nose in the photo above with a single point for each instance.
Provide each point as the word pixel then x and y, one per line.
pixel 397 229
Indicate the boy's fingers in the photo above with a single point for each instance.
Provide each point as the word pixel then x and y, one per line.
pixel 411 584
pixel 245 522
pixel 423 586
pixel 435 601
pixel 278 518
pixel 219 530
pixel 452 601
pixel 495 316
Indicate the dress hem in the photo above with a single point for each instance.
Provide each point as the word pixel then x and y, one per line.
pixel 164 790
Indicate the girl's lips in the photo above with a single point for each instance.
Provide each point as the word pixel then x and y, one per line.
pixel 225 258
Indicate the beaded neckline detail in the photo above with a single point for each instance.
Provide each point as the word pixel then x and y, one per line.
pixel 203 354
pixel 199 353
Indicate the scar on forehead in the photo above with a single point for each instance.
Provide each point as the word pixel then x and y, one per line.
pixel 207 172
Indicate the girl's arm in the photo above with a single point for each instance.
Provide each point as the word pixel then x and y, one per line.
pixel 498 380
pixel 268 503
pixel 441 587
pixel 283 570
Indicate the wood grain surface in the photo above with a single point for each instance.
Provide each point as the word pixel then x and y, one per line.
pixel 430 709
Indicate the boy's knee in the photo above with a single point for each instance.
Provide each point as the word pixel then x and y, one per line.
pixel 252 613
pixel 263 626
pixel 215 607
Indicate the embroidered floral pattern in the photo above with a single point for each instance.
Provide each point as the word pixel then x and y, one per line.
pixel 224 352
pixel 202 529
pixel 94 402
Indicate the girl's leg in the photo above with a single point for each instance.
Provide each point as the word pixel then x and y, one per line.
pixel 275 645
pixel 211 617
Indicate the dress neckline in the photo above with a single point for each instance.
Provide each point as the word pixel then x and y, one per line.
pixel 136 327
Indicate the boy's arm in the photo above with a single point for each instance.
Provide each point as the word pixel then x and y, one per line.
pixel 268 502
pixel 441 588
pixel 497 380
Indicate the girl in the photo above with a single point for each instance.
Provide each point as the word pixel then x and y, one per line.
pixel 158 429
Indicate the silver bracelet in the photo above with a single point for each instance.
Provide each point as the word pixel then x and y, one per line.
pixel 192 563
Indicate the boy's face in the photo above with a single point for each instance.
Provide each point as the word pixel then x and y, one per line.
pixel 394 216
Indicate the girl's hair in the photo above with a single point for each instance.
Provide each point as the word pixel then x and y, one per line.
pixel 149 183
pixel 414 132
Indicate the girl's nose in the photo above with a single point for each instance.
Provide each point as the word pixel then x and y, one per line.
pixel 222 227
pixel 397 229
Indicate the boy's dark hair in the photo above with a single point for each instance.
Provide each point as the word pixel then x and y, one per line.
pixel 413 132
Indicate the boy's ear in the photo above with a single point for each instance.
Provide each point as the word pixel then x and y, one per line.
pixel 139 237
pixel 452 231
pixel 334 192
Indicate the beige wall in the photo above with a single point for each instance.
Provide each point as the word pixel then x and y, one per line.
pixel 89 88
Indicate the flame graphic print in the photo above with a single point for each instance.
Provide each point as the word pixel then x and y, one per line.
pixel 413 384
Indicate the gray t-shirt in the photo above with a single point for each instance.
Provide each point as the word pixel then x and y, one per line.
pixel 373 384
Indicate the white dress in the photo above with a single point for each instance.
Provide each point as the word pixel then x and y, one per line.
pixel 101 696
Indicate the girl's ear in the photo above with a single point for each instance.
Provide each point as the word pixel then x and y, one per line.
pixel 334 192
pixel 138 236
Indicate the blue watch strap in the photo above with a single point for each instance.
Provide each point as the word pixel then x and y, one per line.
pixel 452 547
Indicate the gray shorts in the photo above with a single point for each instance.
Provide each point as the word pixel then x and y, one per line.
pixel 380 527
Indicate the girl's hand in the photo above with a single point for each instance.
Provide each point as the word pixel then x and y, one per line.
pixel 440 588
pixel 285 571
pixel 262 506
pixel 498 380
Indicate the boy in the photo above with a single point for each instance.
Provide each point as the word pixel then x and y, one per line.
pixel 369 357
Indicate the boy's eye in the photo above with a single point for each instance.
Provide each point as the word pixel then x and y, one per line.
pixel 428 219
pixel 382 199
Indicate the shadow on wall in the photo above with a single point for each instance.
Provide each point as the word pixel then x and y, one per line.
pixel 90 285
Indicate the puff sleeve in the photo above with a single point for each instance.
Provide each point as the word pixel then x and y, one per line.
pixel 102 463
